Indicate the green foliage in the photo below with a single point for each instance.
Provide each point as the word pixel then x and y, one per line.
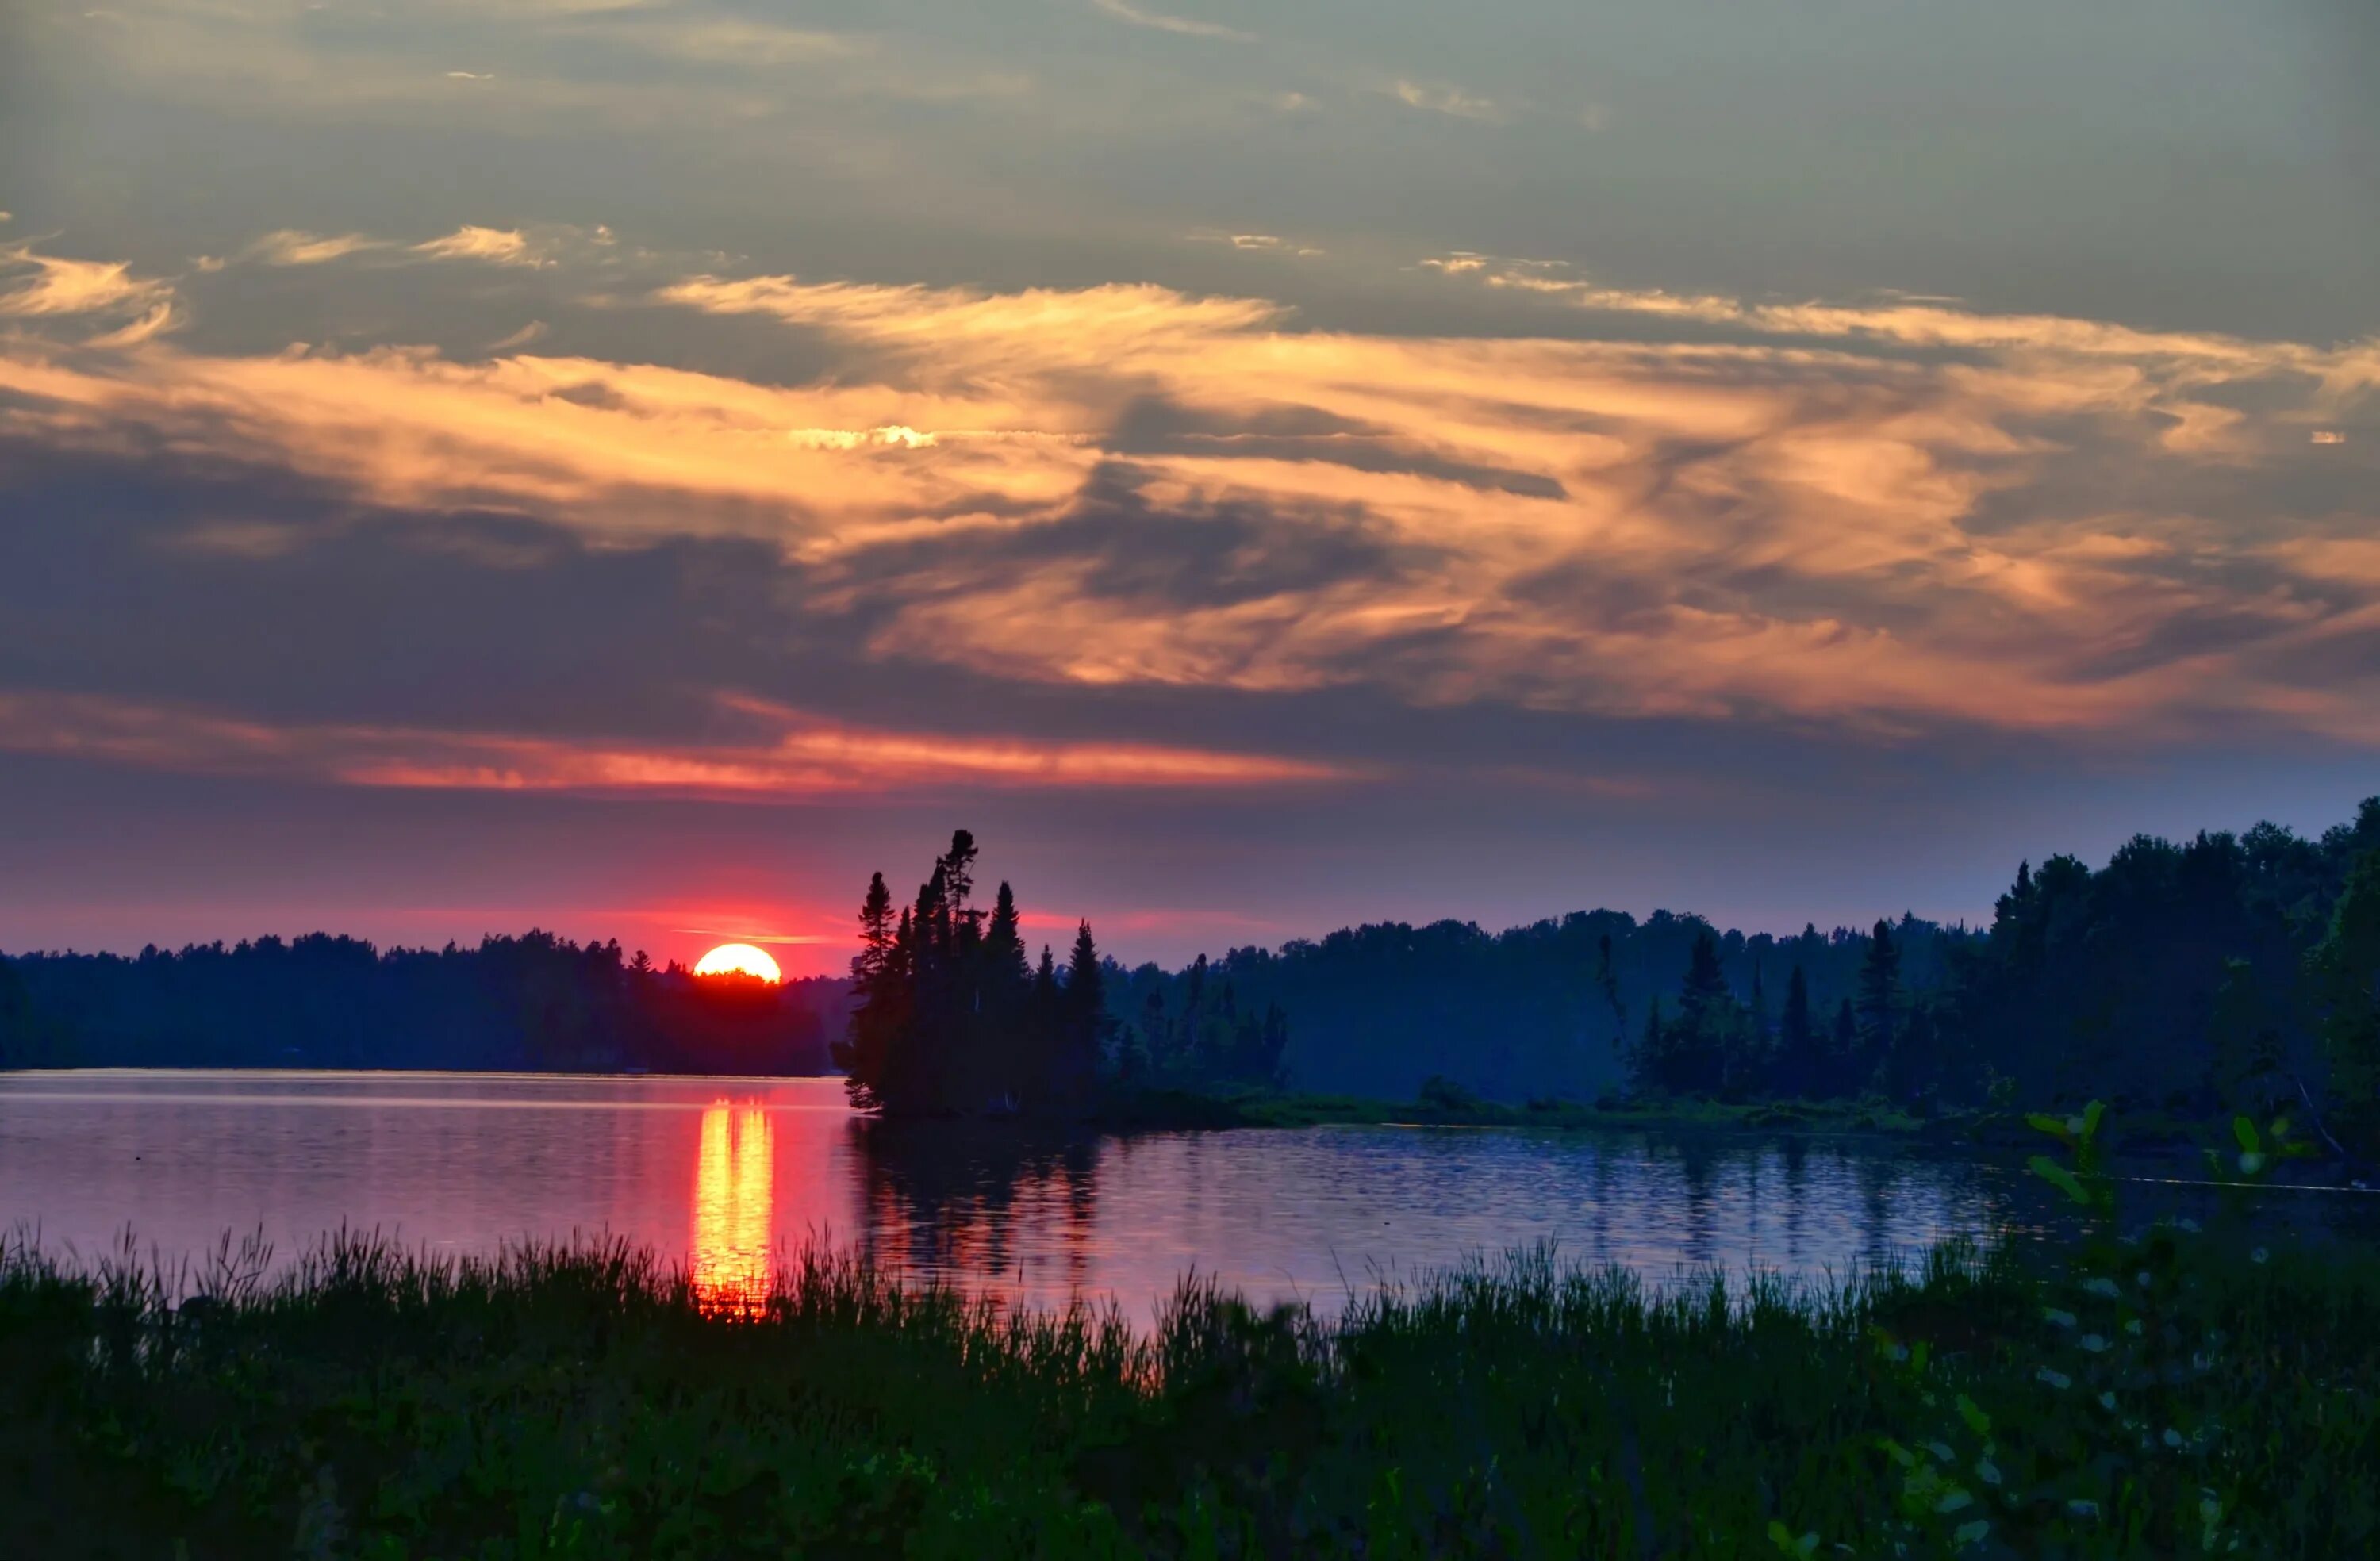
pixel 1441 1096
pixel 2346 972
pixel 2158 1394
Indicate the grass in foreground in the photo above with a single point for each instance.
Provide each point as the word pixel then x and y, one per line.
pixel 2167 1396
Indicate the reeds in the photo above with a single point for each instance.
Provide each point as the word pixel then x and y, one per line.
pixel 2167 1395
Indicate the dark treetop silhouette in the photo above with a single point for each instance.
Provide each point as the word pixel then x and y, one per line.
pixel 534 1002
pixel 946 1015
pixel 2226 973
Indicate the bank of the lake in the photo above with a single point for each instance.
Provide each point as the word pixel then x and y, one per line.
pixel 2178 1394
pixel 2131 1134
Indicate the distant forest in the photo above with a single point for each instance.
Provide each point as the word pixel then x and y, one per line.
pixel 2230 971
pixel 534 1003
pixel 2225 972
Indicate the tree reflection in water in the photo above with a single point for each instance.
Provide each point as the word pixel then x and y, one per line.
pixel 998 1207
pixel 735 1179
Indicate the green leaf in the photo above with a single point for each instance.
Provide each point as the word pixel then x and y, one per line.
pixel 2091 1116
pixel 2058 1175
pixel 2049 1125
pixel 2245 1132
pixel 1978 1422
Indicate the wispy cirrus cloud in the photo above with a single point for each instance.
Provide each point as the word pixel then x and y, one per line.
pixel 801 758
pixel 749 43
pixel 60 284
pixel 290 247
pixel 1258 243
pixel 1438 98
pixel 1883 517
pixel 503 247
pixel 1186 25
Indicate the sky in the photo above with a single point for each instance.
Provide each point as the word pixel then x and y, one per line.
pixel 634 468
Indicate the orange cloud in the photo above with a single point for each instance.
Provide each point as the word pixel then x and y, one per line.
pixel 61 285
pixel 497 246
pixel 807 757
pixel 1896 517
pixel 288 247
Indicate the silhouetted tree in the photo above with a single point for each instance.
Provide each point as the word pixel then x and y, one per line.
pixel 946 1017
pixel 2346 970
pixel 1842 1052
pixel 1879 1004
pixel 1800 1059
pixel 1083 1021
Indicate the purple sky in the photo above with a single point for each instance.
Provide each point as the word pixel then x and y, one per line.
pixel 634 468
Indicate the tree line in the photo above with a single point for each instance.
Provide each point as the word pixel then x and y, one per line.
pixel 534 1003
pixel 2227 972
pixel 1551 1008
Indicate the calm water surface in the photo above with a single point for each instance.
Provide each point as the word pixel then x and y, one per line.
pixel 731 1175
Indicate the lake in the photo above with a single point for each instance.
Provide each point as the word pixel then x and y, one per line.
pixel 731 1175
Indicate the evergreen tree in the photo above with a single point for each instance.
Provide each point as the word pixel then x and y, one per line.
pixel 956 870
pixel 1153 1037
pixel 1607 981
pixel 2246 1071
pixel 879 1000
pixel 1003 944
pixel 1648 1064
pixel 1752 1060
pixel 1703 1041
pixel 1879 1003
pixel 1083 1024
pixel 1842 1053
pixel 946 1016
pixel 2346 970
pixel 16 1017
pixel 1800 1061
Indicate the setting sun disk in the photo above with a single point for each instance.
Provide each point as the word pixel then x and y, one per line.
pixel 739 959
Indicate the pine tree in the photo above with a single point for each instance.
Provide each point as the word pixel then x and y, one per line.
pixel 1155 1031
pixel 1043 1017
pixel 956 869
pixel 1842 1055
pixel 875 933
pixel 1754 1054
pixel 1004 944
pixel 2346 970
pixel 1799 1063
pixel 1648 1063
pixel 1879 1001
pixel 2244 1072
pixel 880 1001
pixel 1083 1027
pixel 1706 1037
pixel 1607 981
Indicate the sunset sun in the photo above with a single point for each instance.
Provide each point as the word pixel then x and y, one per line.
pixel 739 959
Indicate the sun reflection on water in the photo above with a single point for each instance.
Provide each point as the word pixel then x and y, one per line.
pixel 734 1184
